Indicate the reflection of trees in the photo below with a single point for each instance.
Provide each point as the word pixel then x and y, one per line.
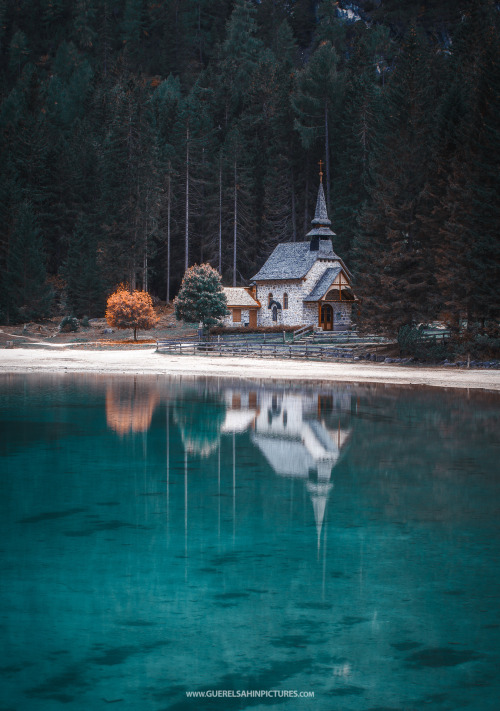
pixel 199 416
pixel 129 406
pixel 413 449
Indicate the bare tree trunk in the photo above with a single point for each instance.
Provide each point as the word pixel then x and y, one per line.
pixel 220 215
pixel 145 253
pixel 168 234
pixel 327 156
pixel 294 215
pixel 235 224
pixel 306 201
pixel 145 261
pixel 186 258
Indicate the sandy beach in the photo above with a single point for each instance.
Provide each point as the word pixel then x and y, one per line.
pixel 149 362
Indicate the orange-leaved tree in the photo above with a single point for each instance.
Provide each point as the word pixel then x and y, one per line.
pixel 130 309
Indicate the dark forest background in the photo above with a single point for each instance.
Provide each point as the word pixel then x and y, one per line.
pixel 139 137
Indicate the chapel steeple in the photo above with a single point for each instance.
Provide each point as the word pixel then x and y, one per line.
pixel 321 231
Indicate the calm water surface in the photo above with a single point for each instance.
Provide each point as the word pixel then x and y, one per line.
pixel 162 536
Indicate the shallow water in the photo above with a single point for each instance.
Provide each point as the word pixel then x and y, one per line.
pixel 162 536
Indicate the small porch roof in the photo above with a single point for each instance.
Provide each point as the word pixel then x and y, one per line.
pixel 323 284
pixel 238 297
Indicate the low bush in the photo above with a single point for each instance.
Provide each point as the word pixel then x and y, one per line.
pixel 216 330
pixel 413 342
pixel 68 324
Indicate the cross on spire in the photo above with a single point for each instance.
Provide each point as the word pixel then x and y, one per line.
pixel 320 163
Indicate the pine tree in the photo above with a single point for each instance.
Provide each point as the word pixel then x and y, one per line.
pixel 468 256
pixel 201 298
pixel 82 271
pixel 280 184
pixel 394 259
pixel 315 103
pixel 28 294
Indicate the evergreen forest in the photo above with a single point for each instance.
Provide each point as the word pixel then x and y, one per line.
pixel 139 138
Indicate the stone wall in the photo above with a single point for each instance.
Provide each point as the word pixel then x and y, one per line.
pixel 228 320
pixel 298 313
pixel 292 316
pixel 342 313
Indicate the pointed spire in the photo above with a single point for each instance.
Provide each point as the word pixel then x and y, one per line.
pixel 321 215
pixel 321 224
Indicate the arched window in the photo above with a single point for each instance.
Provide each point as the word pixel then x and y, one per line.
pixel 285 300
pixel 269 299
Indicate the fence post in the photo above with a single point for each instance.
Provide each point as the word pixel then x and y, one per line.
pixel 284 337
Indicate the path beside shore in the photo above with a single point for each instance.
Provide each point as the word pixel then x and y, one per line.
pixel 149 362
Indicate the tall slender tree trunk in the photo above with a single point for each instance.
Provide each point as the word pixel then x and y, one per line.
pixel 235 223
pixel 145 260
pixel 327 156
pixel 168 233
pixel 294 215
pixel 220 215
pixel 145 253
pixel 306 200
pixel 186 245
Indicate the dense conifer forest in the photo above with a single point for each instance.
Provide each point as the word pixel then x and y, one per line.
pixel 139 138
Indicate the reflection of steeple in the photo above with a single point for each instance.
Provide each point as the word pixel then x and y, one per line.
pixel 297 444
pixel 128 409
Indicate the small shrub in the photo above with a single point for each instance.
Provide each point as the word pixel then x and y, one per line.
pixel 85 322
pixel 412 341
pixel 68 324
pixel 216 330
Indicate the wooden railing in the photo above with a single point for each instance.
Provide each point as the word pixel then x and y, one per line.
pixel 305 350
pixel 301 332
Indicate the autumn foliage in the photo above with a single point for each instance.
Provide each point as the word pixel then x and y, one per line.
pixel 130 309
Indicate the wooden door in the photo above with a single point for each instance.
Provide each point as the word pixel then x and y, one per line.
pixel 252 318
pixel 326 317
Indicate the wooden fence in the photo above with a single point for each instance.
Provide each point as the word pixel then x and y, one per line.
pixel 305 350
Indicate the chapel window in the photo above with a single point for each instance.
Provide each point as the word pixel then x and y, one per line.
pixel 269 299
pixel 285 300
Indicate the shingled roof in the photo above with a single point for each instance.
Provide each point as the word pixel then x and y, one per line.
pixel 238 296
pixel 292 260
pixel 323 284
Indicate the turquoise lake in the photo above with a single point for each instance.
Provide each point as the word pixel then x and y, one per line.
pixel 166 536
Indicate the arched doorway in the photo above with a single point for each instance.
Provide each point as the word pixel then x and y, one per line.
pixel 326 317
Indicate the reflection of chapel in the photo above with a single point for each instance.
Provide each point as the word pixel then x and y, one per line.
pixel 300 436
pixel 300 284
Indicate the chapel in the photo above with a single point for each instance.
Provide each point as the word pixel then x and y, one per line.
pixel 300 284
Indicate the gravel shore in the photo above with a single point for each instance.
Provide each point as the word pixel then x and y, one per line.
pixel 148 361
